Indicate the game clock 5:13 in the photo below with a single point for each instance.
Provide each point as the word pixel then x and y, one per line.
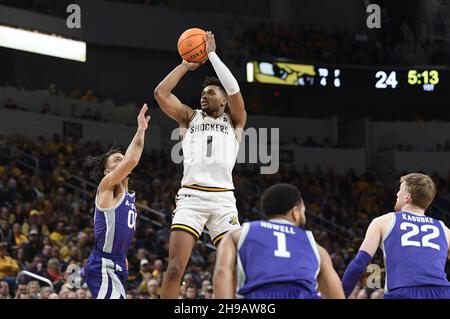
pixel 427 79
pixel 423 77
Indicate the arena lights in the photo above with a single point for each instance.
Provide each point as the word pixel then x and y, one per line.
pixel 40 43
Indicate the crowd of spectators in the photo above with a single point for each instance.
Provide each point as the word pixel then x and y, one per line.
pixel 46 218
pixel 271 40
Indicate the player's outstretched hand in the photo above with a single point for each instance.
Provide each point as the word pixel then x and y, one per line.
pixel 192 66
pixel 142 119
pixel 210 42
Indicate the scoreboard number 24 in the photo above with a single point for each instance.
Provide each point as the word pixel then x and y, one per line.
pixel 427 78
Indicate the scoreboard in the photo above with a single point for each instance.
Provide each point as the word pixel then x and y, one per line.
pixel 413 79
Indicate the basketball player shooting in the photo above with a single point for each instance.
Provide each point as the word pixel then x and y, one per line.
pixel 210 143
pixel 106 271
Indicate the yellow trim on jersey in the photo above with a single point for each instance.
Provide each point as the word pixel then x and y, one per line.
pixel 208 189
pixel 218 238
pixel 190 230
pixel 190 120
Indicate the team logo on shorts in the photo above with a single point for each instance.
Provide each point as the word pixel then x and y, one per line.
pixel 234 220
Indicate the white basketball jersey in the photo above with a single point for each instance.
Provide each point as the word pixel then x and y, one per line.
pixel 210 150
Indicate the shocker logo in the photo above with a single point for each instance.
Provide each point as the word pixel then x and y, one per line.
pixel 234 220
pixel 74 276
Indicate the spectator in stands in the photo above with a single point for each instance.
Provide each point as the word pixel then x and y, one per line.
pixel 53 272
pixel 8 266
pixel 206 290
pixel 158 268
pixel 4 290
pixel 34 289
pixel 20 258
pixel 10 193
pixel 19 237
pixel 37 266
pixel 22 288
pixel 191 292
pixel 6 234
pixel 47 254
pixel 46 292
pixel 58 236
pixel 33 247
pixel 152 289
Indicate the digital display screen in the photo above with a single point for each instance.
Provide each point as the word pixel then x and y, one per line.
pixel 430 79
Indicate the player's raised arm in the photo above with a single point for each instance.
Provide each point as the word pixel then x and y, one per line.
pixel 447 235
pixel 132 155
pixel 329 282
pixel 235 100
pixel 224 285
pixel 368 248
pixel 168 102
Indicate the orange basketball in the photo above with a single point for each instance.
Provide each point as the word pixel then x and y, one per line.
pixel 192 45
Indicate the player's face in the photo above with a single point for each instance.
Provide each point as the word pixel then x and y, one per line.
pixel 112 162
pixel 212 99
pixel 403 197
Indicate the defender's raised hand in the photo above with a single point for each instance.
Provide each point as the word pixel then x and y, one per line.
pixel 142 119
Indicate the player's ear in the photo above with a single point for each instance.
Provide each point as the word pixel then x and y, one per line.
pixel 295 214
pixel 408 197
pixel 105 172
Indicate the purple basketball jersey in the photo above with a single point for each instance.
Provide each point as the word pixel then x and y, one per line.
pixel 415 251
pixel 276 253
pixel 114 227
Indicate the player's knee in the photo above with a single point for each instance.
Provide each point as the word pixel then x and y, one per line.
pixel 174 271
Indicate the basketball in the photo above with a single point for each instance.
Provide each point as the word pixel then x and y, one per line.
pixel 192 45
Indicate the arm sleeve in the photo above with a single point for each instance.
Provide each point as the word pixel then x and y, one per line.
pixel 224 74
pixel 354 271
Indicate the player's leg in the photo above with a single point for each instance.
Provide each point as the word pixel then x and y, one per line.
pixel 187 225
pixel 223 216
pixel 180 248
pixel 96 278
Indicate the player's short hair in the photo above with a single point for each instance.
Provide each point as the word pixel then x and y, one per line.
pixel 279 199
pixel 98 163
pixel 212 80
pixel 421 187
